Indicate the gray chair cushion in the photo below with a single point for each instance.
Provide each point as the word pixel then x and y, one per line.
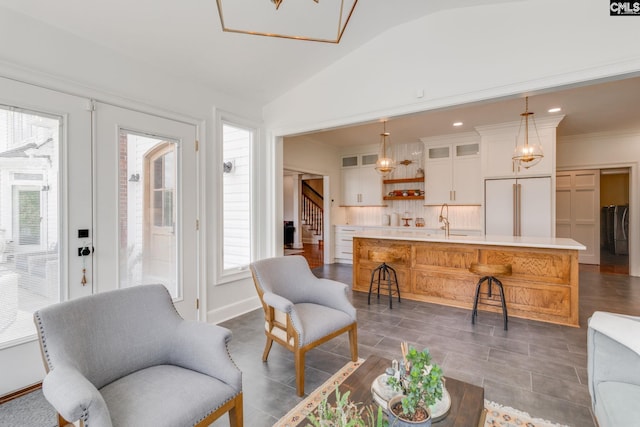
pixel 164 396
pixel 114 333
pixel 312 329
pixel 618 404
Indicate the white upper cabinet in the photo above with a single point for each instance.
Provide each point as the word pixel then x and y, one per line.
pixel 453 172
pixel 499 142
pixel 361 184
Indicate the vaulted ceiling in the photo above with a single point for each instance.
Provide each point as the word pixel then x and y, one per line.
pixel 185 39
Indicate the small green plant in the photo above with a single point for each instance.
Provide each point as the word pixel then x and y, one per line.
pixel 346 413
pixel 421 386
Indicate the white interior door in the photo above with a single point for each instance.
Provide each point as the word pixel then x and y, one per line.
pixel 146 204
pixel 45 198
pixel 578 212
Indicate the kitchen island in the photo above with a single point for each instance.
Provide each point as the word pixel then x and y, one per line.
pixel 435 268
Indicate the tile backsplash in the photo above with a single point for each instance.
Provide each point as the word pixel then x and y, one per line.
pixel 460 217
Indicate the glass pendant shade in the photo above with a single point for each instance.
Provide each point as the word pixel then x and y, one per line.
pixel 527 154
pixel 385 163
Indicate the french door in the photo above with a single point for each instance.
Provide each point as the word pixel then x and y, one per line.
pixel 45 198
pixel 146 204
pixel 89 202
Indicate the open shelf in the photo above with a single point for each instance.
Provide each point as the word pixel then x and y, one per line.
pixel 402 180
pixel 403 197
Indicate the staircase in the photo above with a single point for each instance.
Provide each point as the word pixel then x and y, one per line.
pixel 312 215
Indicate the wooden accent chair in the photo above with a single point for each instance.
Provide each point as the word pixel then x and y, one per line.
pixel 302 311
pixel 126 357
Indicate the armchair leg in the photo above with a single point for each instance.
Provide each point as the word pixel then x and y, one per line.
pixel 353 342
pixel 299 361
pixel 236 413
pixel 64 423
pixel 267 349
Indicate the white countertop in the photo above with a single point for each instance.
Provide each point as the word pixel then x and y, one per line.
pixel 425 236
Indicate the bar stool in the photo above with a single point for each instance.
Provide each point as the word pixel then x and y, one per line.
pixel 488 273
pixel 386 273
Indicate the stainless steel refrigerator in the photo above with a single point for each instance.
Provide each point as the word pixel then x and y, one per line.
pixel 615 226
pixel 518 207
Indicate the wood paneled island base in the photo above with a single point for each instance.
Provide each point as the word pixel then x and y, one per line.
pixel 543 285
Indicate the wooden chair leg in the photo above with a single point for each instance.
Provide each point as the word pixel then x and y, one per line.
pixel 299 361
pixel 353 343
pixel 267 349
pixel 236 413
pixel 64 423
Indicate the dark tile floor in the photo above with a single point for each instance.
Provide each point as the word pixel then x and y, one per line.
pixel 535 367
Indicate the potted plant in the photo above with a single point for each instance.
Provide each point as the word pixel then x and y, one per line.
pixel 421 387
pixel 346 413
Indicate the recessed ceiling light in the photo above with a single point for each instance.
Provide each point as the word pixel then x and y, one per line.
pixel 458 124
pixel 555 109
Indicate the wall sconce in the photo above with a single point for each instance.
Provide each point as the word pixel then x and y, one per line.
pixel 135 177
pixel 227 167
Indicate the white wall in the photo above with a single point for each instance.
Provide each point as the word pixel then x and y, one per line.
pixel 463 55
pixel 317 159
pixel 606 150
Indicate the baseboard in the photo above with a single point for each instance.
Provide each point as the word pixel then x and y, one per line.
pixel 19 393
pixel 230 311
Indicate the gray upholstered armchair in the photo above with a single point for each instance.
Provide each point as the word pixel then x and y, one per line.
pixel 302 311
pixel 126 358
pixel 613 348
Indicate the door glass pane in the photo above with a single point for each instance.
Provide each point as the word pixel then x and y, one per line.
pixel 29 219
pixel 147 211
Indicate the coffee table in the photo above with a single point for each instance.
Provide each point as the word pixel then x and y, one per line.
pixel 467 400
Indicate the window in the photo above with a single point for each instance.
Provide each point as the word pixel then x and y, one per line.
pixel 237 142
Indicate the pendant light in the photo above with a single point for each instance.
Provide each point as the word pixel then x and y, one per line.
pixel 385 163
pixel 526 154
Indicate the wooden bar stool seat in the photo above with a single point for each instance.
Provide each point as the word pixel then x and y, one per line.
pixel 384 273
pixel 488 273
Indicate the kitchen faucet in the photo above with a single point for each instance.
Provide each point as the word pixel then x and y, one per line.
pixel 444 219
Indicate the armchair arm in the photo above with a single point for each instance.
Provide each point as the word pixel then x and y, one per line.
pixel 613 350
pixel 618 327
pixel 202 347
pixel 331 293
pixel 278 302
pixel 75 398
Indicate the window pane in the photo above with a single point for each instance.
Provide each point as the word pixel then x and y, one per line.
pixel 236 149
pixel 29 219
pixel 147 214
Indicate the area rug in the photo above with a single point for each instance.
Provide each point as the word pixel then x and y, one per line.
pixel 504 416
pixel 496 415
pixel 304 408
